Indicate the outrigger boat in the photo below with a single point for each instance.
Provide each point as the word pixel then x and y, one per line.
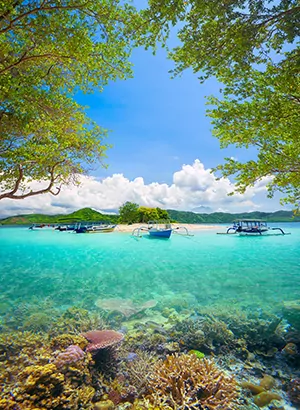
pixel 155 229
pixel 99 227
pixel 160 229
pixel 64 228
pixel 252 227
pixel 42 227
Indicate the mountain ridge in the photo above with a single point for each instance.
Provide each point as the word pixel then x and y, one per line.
pixel 90 215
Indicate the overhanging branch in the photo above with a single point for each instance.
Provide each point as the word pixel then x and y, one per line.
pixel 53 178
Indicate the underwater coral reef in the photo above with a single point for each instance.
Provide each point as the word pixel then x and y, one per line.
pixel 157 357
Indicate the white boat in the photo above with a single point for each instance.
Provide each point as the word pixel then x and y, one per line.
pixel 42 227
pixel 253 227
pixel 94 228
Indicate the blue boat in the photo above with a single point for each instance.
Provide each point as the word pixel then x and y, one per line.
pixel 160 233
pixel 160 229
pixel 155 229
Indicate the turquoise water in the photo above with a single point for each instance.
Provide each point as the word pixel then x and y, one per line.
pixel 63 269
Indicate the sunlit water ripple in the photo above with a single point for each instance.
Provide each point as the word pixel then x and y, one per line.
pixel 71 269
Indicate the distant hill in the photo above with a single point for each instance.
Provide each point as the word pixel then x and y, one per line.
pixel 90 215
pixel 222 217
pixel 85 214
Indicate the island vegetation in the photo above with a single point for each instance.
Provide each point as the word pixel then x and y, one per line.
pixel 131 213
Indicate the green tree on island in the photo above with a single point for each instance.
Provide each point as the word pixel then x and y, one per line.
pixel 250 47
pixel 146 214
pixel 128 213
pixel 131 212
pixel 50 49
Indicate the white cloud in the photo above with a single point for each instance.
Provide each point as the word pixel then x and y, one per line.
pixel 193 187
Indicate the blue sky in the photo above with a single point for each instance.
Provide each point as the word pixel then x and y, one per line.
pixel 157 123
pixel 162 152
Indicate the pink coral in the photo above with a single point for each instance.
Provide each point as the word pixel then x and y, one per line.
pixel 71 355
pixel 100 339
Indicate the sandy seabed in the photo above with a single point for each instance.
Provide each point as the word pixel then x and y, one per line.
pixel 190 227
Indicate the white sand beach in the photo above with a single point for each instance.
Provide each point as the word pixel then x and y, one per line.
pixel 190 227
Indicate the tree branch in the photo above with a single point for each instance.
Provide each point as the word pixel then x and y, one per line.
pixel 2 17
pixel 53 178
pixel 24 58
pixel 279 15
pixel 37 9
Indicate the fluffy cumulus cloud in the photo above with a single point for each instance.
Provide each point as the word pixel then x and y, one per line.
pixel 193 188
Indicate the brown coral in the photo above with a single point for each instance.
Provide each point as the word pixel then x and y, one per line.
pixel 100 339
pixel 294 391
pixel 30 382
pixel 264 398
pixel 186 382
pixel 44 387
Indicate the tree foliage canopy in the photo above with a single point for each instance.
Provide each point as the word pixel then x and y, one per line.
pixel 251 47
pixel 131 212
pixel 49 50
pixel 146 214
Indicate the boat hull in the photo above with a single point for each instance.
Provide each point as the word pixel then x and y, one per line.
pixel 264 233
pixel 95 229
pixel 253 232
pixel 100 230
pixel 42 228
pixel 155 233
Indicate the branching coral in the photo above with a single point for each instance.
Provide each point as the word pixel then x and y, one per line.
pixel 46 387
pixel 29 381
pixel 37 322
pixel 205 333
pixel 135 370
pixel 30 316
pixel 215 329
pixel 65 340
pixel 76 320
pixel 186 382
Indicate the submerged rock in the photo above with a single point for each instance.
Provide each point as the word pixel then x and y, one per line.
pixel 291 312
pixel 265 398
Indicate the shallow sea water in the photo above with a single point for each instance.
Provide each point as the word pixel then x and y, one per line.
pixel 70 269
pixel 198 282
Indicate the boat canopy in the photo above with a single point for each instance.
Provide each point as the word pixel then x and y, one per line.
pixel 250 222
pixel 160 224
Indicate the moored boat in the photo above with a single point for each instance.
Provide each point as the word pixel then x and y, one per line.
pixel 159 230
pixel 42 227
pixel 94 228
pixel 64 228
pixel 155 229
pixel 253 227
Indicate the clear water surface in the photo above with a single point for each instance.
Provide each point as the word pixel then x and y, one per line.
pixel 70 269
